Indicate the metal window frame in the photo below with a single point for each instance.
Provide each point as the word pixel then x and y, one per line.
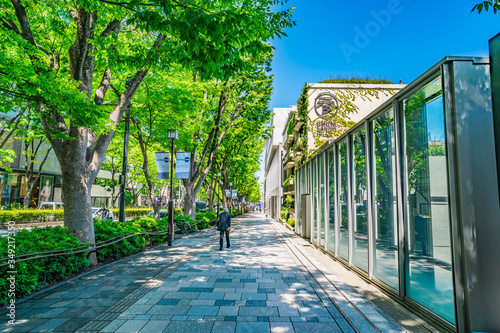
pixel 372 174
pixel 352 184
pixel 350 222
pixel 313 193
pixel 369 154
pixel 462 314
pixel 318 201
pixel 323 156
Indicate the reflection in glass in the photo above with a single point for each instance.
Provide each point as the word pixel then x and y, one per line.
pixel 343 199
pixel 385 265
pixel 321 197
pixel 429 280
pixel 331 196
pixel 303 190
pixel 359 193
pixel 314 207
pixel 298 179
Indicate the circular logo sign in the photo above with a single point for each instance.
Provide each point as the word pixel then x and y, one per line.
pixel 326 105
pixel 186 159
pixel 166 159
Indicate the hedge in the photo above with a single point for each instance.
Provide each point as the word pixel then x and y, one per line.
pixel 29 215
pixel 132 212
pixel 30 276
pixel 35 215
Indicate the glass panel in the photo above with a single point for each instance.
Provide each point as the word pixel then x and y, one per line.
pixel 304 191
pixel 343 197
pixel 331 196
pixel 429 280
pixel 314 195
pixel 359 195
pixel 296 206
pixel 385 265
pixel 321 198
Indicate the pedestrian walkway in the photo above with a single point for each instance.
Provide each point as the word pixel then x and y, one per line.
pixel 266 282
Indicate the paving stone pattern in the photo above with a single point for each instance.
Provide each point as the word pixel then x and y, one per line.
pixel 257 285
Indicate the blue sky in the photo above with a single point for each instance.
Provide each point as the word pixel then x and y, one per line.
pixel 400 46
pixel 397 40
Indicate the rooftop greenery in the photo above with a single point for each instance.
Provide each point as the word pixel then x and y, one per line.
pixel 357 79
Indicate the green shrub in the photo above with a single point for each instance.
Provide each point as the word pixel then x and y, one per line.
pixel 30 277
pixel 131 212
pixel 291 222
pixel 283 214
pixel 105 230
pixel 30 215
pixel 206 216
pixel 288 181
pixel 35 215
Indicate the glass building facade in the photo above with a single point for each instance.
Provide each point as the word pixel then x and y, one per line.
pixel 385 197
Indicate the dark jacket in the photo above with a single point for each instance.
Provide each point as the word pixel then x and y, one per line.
pixel 224 221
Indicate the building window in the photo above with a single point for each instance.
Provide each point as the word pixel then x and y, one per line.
pixel 343 241
pixel 429 278
pixel 385 265
pixel 359 199
pixel 332 200
pixel 322 199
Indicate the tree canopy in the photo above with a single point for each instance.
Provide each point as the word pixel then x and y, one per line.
pixel 63 58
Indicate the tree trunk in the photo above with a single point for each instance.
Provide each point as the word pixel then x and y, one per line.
pixel 27 197
pixel 76 187
pixel 190 200
pixel 211 204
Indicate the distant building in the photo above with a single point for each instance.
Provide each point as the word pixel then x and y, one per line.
pixel 273 164
pixel 48 187
pixel 324 112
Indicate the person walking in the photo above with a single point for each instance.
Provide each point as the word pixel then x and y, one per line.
pixel 224 226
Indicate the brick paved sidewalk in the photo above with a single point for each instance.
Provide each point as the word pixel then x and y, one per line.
pixel 260 284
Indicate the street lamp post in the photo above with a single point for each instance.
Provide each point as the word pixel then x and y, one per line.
pixel 172 135
pixel 123 176
pixel 230 197
pixel 220 182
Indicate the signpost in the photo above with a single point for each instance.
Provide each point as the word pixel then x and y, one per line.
pixel 123 176
pixel 182 166
pixel 172 135
pixel 162 164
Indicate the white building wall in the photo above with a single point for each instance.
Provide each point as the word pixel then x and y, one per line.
pixel 273 185
pixel 273 163
pixel 365 104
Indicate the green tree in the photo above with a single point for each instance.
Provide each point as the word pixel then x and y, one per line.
pixel 9 125
pixel 62 57
pixel 163 97
pixel 240 102
pixel 112 163
pixel 36 150
pixel 486 5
